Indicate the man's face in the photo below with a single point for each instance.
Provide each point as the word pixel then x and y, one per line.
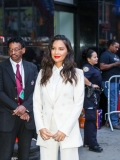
pixel 114 47
pixel 16 51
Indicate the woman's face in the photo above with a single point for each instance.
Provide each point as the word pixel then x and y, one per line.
pixel 58 52
pixel 94 59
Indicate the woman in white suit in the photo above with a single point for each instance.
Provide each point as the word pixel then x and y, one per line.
pixel 58 101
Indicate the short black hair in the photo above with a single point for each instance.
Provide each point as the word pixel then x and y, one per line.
pixel 111 42
pixel 17 40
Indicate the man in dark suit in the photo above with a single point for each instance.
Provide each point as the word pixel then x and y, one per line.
pixel 16 104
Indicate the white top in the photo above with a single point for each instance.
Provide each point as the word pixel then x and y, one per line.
pixel 54 80
pixel 65 108
pixel 21 70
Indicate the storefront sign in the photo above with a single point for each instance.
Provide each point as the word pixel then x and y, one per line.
pixel 105 26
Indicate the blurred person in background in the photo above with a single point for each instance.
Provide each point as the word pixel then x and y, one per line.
pixel 93 81
pixel 110 66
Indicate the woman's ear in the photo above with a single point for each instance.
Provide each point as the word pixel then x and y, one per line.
pixel 88 59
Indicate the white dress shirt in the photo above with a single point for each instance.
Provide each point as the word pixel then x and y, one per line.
pixel 54 80
pixel 21 69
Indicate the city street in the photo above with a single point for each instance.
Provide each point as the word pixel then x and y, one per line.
pixel 109 141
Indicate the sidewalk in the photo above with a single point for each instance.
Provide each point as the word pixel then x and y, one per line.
pixel 109 141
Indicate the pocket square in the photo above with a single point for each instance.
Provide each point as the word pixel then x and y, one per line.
pixel 32 83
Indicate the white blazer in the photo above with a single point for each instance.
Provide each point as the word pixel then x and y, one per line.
pixel 66 109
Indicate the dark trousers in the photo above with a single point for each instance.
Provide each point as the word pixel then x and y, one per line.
pixel 7 140
pixel 90 128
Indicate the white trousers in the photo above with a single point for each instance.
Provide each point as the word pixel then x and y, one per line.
pixel 51 152
pixel 65 154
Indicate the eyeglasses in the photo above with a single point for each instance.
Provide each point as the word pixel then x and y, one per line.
pixel 15 50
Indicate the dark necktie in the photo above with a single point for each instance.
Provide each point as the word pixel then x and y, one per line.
pixel 19 84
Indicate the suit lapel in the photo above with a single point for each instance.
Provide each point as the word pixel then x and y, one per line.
pixel 48 89
pixel 59 87
pixel 26 68
pixel 57 91
pixel 10 70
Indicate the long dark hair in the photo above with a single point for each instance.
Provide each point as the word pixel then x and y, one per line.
pixel 68 73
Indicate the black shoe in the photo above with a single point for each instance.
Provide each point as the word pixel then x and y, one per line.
pixel 85 145
pixel 96 149
pixel 116 127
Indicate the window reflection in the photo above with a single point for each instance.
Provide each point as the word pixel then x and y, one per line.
pixel 1 27
pixel 67 29
pixel 65 1
pixel 11 22
pixel 30 19
pixel 109 27
pixel 26 19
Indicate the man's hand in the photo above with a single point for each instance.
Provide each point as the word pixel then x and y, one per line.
pixel 25 116
pixel 117 63
pixel 59 136
pixel 19 111
pixel 45 134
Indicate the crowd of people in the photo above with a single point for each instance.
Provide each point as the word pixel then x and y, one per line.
pixel 50 102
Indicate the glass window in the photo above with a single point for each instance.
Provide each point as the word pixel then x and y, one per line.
pixel 26 19
pixel 11 18
pixel 63 24
pixel 65 1
pixel 88 25
pixel 109 22
pixel 1 30
pixel 1 18
pixel 32 20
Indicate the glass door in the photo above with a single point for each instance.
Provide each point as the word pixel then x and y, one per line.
pixel 64 24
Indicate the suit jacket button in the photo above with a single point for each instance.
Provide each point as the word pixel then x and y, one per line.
pixel 15 98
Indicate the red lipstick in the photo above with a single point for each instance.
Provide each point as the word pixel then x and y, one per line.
pixel 56 57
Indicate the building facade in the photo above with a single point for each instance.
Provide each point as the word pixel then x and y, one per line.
pixel 87 23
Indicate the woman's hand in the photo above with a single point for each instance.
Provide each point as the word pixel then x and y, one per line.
pixel 45 134
pixel 59 136
pixel 95 86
